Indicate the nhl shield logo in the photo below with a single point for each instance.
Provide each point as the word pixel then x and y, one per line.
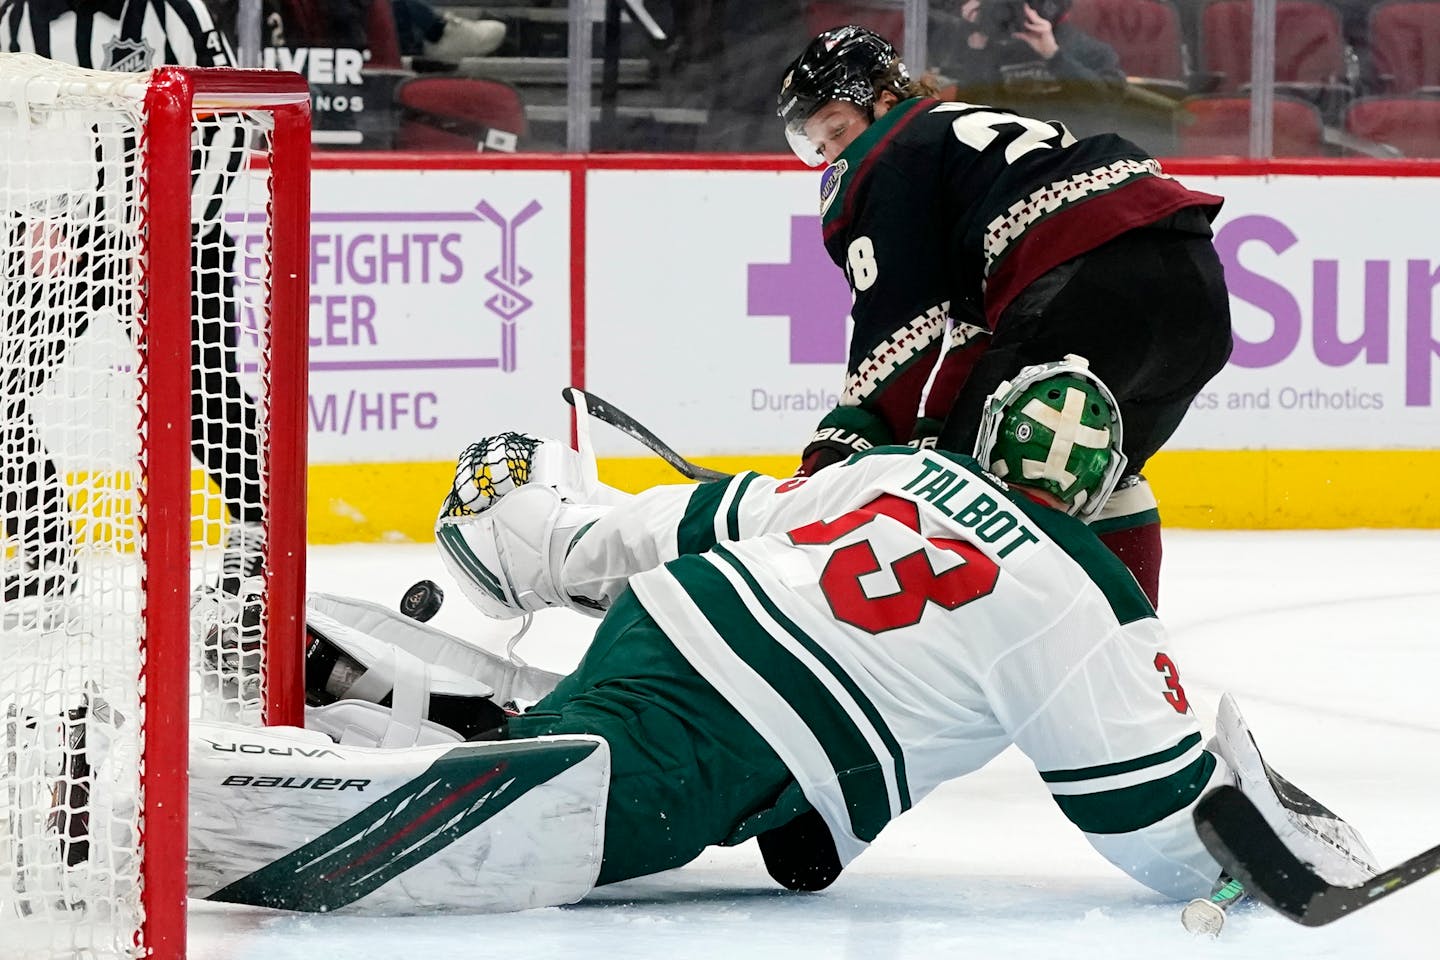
pixel 128 56
pixel 830 184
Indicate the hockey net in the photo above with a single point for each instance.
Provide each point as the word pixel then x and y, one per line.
pixel 152 352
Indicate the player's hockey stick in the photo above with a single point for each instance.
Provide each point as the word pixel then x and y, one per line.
pixel 628 425
pixel 1237 835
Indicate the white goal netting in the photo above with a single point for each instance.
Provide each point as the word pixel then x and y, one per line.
pixel 85 498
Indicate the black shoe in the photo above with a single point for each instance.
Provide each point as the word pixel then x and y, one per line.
pixel 244 556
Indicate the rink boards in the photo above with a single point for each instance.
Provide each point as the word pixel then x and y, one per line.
pixel 453 297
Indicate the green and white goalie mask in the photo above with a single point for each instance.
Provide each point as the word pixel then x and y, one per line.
pixel 1055 427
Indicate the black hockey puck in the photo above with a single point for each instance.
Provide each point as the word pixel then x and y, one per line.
pixel 422 601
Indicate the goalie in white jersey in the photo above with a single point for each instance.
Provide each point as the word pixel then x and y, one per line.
pixel 800 661
pixel 804 660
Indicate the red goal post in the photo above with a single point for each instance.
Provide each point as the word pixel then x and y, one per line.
pixel 132 401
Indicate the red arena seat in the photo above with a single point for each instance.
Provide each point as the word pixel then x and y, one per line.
pixel 1409 125
pixel 458 113
pixel 1220 126
pixel 1145 33
pixel 1405 43
pixel 1309 44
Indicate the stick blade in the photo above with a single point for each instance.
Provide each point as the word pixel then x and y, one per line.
pixel 1236 834
pixel 628 425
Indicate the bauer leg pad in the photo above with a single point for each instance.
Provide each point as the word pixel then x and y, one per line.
pixel 286 818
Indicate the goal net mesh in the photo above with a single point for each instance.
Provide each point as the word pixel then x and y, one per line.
pixel 76 353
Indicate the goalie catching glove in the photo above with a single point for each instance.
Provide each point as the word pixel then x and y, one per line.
pixel 509 559
pixel 495 466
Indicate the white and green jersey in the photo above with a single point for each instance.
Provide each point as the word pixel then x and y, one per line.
pixel 928 621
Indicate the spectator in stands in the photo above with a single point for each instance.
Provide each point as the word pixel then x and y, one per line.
pixel 1015 47
pixel 422 30
pixel 425 31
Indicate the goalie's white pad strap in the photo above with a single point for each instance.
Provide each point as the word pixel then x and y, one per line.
pixel 361 723
pixel 509 680
pixel 282 817
pixel 410 703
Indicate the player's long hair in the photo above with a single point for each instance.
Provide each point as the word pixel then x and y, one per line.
pixel 896 80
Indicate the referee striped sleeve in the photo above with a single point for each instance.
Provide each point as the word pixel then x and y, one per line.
pixel 217 160
pixel 190 32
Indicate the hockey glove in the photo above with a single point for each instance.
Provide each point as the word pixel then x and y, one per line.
pixel 843 432
pixel 508 559
pixel 494 466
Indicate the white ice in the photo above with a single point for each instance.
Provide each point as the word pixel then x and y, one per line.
pixel 1327 639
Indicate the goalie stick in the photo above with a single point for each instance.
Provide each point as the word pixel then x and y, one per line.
pixel 628 425
pixel 1237 835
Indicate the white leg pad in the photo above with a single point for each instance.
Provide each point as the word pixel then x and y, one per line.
pixel 285 818
pixel 508 680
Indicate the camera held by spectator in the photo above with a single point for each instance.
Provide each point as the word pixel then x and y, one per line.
pixel 1022 45
pixel 1000 19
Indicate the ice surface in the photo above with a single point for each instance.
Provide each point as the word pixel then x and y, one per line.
pixel 1328 640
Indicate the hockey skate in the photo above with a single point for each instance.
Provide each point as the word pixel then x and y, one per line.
pixel 244 557
pixel 228 629
pixel 1326 843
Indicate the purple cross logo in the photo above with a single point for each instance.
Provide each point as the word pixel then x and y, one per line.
pixel 509 277
pixel 810 290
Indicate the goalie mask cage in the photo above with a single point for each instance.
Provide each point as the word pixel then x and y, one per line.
pixel 154 245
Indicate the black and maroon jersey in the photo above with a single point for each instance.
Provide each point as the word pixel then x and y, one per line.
pixel 949 210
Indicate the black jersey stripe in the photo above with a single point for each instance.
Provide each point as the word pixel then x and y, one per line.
pixel 187 28
pixel 12 12
pixel 132 20
pixel 215 164
pixel 84 37
pixel 40 35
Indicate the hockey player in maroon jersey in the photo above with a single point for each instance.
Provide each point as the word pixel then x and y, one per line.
pixel 994 241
